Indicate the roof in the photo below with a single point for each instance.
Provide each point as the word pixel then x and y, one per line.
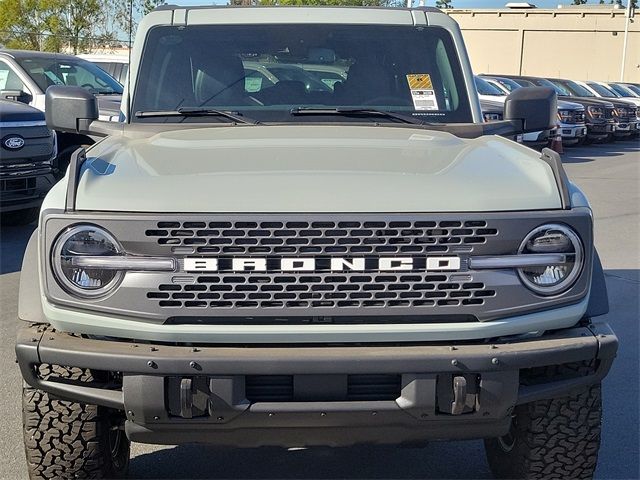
pixel 169 6
pixel 35 53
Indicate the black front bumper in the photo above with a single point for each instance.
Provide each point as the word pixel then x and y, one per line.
pixel 177 394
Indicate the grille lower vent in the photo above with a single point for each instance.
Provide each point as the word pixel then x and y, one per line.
pixel 346 290
pixel 322 237
pixel 359 388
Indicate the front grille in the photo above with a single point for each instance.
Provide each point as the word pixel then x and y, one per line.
pixel 356 388
pixel 322 237
pixel 251 290
pixel 578 117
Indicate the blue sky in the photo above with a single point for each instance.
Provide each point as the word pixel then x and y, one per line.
pixel 456 3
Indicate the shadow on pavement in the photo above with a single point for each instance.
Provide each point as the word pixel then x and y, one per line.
pixel 587 153
pixel 436 461
pixel 13 242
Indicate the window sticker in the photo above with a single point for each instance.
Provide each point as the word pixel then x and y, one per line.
pixel 422 93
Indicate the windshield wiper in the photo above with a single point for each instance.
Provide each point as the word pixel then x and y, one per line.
pixel 353 112
pixel 237 117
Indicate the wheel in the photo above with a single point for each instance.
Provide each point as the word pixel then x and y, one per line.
pixel 68 440
pixel 557 438
pixel 20 217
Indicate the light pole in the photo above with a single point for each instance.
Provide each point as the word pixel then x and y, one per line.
pixel 628 16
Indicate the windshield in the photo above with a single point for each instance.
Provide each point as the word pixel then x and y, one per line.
pixel 543 82
pixel 47 71
pixel 602 90
pixel 621 90
pixel 573 89
pixel 507 83
pixel 485 88
pixel 265 71
pixel 635 89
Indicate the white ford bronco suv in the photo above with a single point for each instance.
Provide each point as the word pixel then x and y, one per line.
pixel 249 260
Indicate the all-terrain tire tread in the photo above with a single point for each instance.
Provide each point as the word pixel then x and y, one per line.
pixel 63 439
pixel 555 439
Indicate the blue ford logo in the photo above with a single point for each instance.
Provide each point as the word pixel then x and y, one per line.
pixel 13 142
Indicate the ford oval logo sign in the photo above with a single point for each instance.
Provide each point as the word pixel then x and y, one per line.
pixel 13 142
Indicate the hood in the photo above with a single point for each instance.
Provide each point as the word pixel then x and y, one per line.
pixel 311 168
pixel 564 105
pixel 595 101
pixel 11 111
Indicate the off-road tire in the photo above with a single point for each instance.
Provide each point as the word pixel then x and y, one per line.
pixel 69 440
pixel 549 439
pixel 20 217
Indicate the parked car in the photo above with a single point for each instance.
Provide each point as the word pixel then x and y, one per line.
pixel 26 75
pixel 630 111
pixel 624 113
pixel 27 151
pixel 115 65
pixel 600 116
pixel 571 116
pixel 373 264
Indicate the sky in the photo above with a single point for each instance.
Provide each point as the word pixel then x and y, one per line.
pixel 456 3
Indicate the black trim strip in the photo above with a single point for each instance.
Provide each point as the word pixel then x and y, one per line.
pixel 75 164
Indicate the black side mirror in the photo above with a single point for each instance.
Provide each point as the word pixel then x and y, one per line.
pixel 536 108
pixel 70 109
pixel 16 96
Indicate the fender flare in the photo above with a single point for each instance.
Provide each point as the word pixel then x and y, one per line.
pixel 29 296
pixel 598 298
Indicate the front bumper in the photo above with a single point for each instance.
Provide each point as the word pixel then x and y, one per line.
pixel 18 192
pixel 571 132
pixel 625 128
pixel 600 129
pixel 178 394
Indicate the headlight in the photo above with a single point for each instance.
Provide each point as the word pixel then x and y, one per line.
pixel 564 116
pixel 622 112
pixel 556 278
pixel 85 241
pixel 596 112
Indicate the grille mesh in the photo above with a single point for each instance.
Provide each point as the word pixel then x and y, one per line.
pixel 322 237
pixel 344 290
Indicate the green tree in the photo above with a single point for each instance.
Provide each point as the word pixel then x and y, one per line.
pixel 27 24
pixel 580 2
pixel 443 4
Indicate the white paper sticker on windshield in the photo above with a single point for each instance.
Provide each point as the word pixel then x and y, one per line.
pixel 422 93
pixel 4 75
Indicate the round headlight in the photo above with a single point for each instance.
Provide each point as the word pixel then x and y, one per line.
pixel 557 277
pixel 85 241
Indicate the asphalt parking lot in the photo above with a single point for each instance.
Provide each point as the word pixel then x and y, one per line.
pixel 608 173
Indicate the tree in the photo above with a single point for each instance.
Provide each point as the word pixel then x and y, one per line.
pixel 581 2
pixel 27 24
pixel 443 4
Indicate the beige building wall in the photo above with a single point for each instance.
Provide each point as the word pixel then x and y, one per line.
pixel 580 43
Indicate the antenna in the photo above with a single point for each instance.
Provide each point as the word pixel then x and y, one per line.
pixel 129 70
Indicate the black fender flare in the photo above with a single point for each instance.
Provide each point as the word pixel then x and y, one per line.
pixel 29 295
pixel 598 297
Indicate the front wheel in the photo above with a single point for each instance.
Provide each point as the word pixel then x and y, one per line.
pixel 69 440
pixel 557 438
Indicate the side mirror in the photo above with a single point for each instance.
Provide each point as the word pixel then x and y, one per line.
pixel 16 96
pixel 70 109
pixel 536 108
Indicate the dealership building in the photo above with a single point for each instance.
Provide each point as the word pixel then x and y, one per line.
pixel 595 42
